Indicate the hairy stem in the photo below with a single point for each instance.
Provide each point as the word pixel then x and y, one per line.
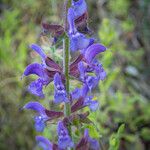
pixel 67 109
pixel 66 55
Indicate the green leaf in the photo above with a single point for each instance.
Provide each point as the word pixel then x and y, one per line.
pixel 121 129
pixel 145 133
pixel 93 132
pixel 113 142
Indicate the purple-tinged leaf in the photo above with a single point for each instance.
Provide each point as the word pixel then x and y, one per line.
pixel 53 114
pixel 78 105
pixel 50 74
pixel 74 64
pixel 81 23
pixel 83 143
pixel 54 30
pixel 81 18
pixel 87 143
pixel 52 65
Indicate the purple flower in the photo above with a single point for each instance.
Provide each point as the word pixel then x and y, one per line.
pixel 78 41
pixel 44 143
pixel 93 143
pixel 60 94
pixel 92 104
pixel 44 71
pixel 82 25
pixel 82 70
pixel 90 81
pixel 71 18
pixel 41 117
pixel 98 69
pixel 92 51
pixel 74 71
pixel 80 92
pixel 87 142
pixel 84 90
pixel 64 140
pixel 80 16
pixel 79 7
pixel 75 94
pixel 39 50
pixel 91 65
pixel 83 102
pixel 36 86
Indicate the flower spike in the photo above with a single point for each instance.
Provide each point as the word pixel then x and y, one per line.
pixel 85 68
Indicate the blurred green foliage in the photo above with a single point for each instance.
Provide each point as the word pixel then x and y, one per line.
pixel 122 122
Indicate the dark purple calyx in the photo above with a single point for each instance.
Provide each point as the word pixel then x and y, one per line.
pixel 54 30
pixel 81 24
pixel 78 105
pixel 53 114
pixel 74 71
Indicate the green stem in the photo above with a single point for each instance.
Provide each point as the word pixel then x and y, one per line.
pixel 66 55
pixel 67 109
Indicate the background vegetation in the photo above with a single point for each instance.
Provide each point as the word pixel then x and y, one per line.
pixel 122 122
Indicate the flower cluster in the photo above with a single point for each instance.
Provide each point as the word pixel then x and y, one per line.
pixel 85 68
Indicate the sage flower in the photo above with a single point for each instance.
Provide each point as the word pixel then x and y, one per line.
pixel 87 142
pixel 60 94
pixel 78 41
pixel 41 116
pixel 45 71
pixel 64 139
